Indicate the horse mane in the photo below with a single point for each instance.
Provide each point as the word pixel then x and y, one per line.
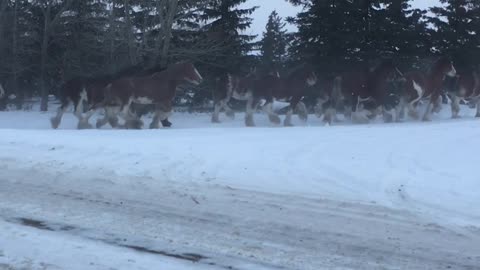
pixel 444 60
pixel 300 70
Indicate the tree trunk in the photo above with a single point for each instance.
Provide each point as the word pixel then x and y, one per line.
pixel 167 31
pixel 129 33
pixel 43 63
pixel 15 64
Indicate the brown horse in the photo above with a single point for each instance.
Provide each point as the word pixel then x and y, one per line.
pixel 430 85
pixel 291 89
pixel 364 93
pixel 465 86
pixel 158 88
pixel 227 87
pixel 81 91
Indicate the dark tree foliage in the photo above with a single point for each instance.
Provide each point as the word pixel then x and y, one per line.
pixel 336 34
pixel 43 43
pixel 273 46
pixel 455 32
pixel 225 25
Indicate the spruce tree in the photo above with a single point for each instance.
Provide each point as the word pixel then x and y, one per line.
pixel 274 44
pixel 227 24
pixel 457 35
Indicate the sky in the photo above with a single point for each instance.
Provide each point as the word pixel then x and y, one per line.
pixel 285 9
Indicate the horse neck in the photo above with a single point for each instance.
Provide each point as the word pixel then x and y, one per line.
pixel 174 74
pixel 435 78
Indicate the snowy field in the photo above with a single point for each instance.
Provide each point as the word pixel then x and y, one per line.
pixel 205 196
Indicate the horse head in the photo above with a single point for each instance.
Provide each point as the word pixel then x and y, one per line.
pixel 306 74
pixel 444 67
pixel 188 72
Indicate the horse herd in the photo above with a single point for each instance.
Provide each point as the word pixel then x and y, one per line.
pixel 362 95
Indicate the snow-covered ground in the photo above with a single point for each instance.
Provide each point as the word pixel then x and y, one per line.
pixel 377 196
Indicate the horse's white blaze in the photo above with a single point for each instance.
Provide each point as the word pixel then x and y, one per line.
pixel 229 83
pixel 198 74
pixel 399 72
pixel 83 95
pixel 143 100
pixel 452 72
pixel 311 81
pixel 419 90
pixel 2 91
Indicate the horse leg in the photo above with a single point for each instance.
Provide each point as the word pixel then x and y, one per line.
pixel 412 110
pixel 131 121
pixel 55 121
pixel 110 117
pixel 347 113
pixel 166 123
pixel 427 117
pixel 216 112
pixel 360 115
pixel 288 118
pixel 134 122
pixel 251 104
pixel 438 103
pixel 85 122
pixel 272 116
pixel 302 111
pixel 161 115
pixel 79 114
pixel 477 115
pixel 401 110
pixel 228 110
pixel 455 106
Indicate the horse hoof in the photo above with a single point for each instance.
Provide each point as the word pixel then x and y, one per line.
pixel 426 119
pixel 166 123
pixel 84 126
pixel 113 122
pixel 288 124
pixel 55 122
pixel 275 119
pixel 230 115
pixel 134 124
pixel 154 126
pixel 249 122
pixel 215 120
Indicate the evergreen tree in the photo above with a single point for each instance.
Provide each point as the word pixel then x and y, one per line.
pixel 273 44
pixel 455 32
pixel 331 33
pixel 228 21
pixel 336 35
pixel 400 31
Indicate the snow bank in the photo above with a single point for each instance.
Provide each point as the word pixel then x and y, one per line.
pixel 426 168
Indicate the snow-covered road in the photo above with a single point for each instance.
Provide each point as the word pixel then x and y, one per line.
pixel 399 196
pixel 216 227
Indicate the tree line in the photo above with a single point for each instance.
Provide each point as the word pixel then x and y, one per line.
pixel 44 43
